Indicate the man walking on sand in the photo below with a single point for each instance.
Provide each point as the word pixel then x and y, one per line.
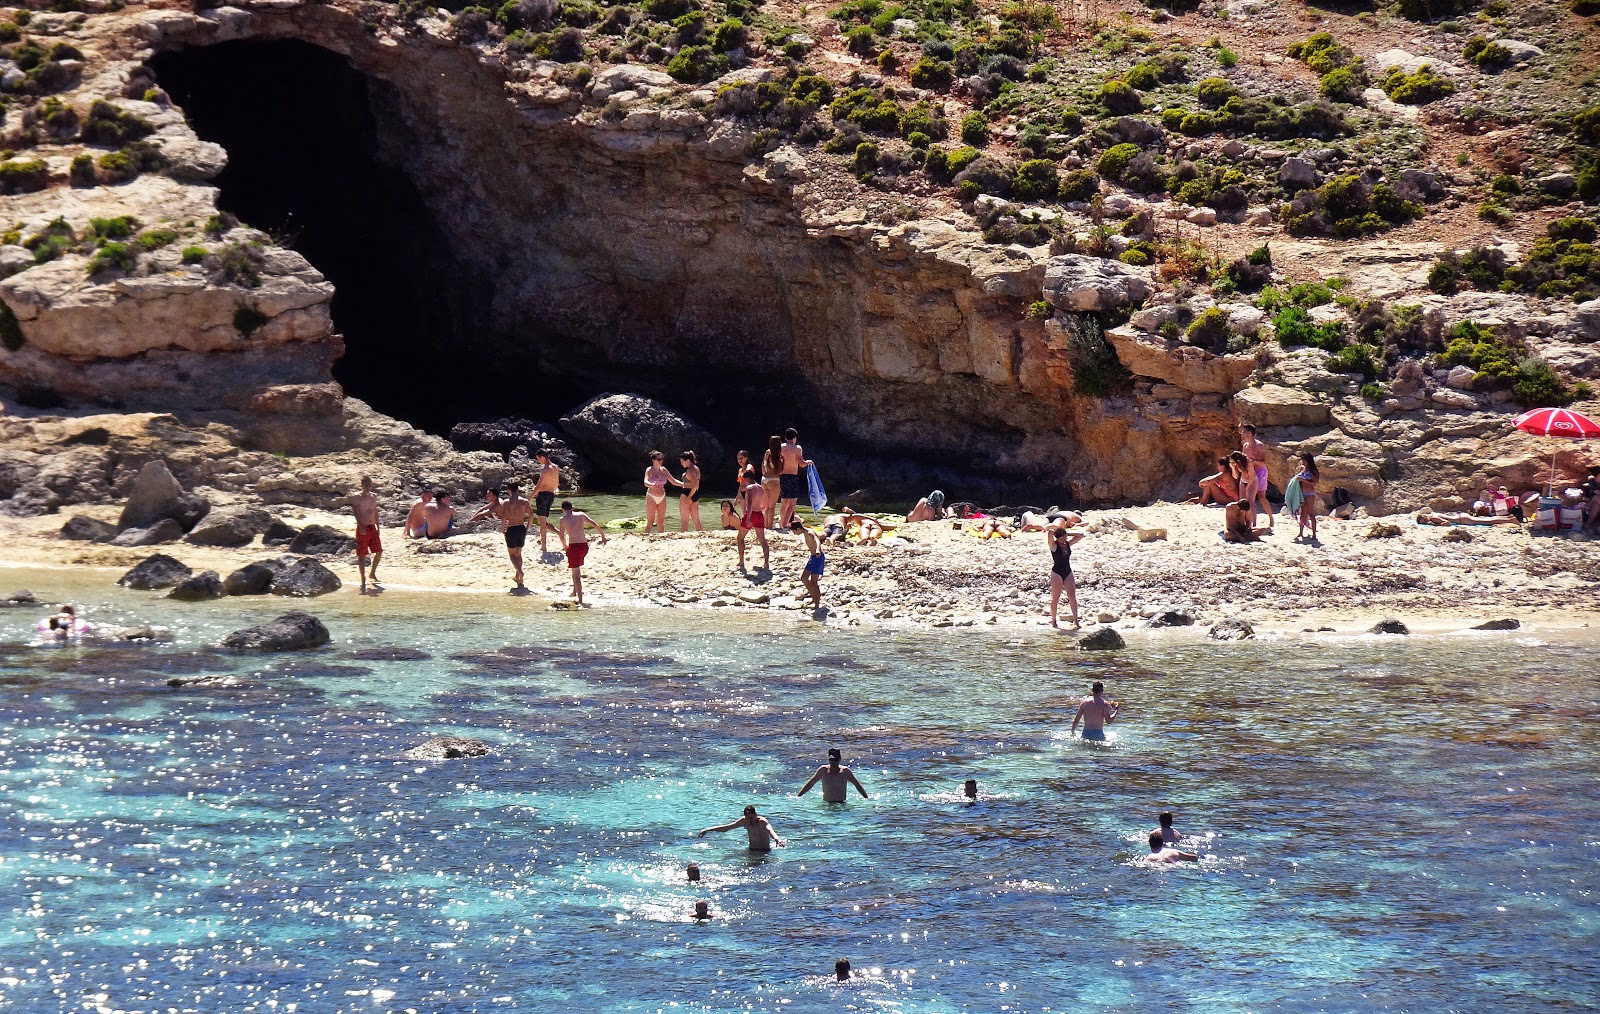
pixel 544 494
pixel 416 518
pixel 755 500
pixel 1096 713
pixel 836 780
pixel 369 543
pixel 576 539
pixel 794 458
pixel 512 513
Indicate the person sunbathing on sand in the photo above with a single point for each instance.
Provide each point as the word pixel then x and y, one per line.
pixel 1032 521
pixel 989 528
pixel 871 531
pixel 929 508
pixel 1445 520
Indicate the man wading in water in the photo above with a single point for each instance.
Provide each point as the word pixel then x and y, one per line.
pixel 1096 713
pixel 364 505
pixel 835 779
pixel 758 828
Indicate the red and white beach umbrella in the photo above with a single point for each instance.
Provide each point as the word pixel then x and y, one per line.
pixel 1556 422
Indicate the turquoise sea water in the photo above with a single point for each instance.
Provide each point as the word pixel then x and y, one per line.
pixel 1395 824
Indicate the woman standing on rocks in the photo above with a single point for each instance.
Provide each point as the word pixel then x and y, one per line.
pixel 1060 542
pixel 771 470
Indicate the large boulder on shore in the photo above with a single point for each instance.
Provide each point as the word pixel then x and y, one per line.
pixel 156 496
pixel 289 632
pixel 305 579
pixel 251 579
pixel 320 540
pixel 158 571
pixel 279 533
pixel 1103 639
pixel 1079 283
pixel 86 529
pixel 202 586
pixel 165 530
pixel 617 431
pixel 229 526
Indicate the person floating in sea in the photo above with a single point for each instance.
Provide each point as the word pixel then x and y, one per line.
pixel 573 532
pixel 754 496
pixel 369 543
pixel 702 910
pixel 656 478
pixel 835 779
pixel 811 576
pixel 758 829
pixel 439 520
pixel 841 970
pixel 1060 542
pixel 693 873
pixel 689 499
pixel 1256 451
pixel 1167 832
pixel 544 496
pixel 417 517
pixel 1309 477
pixel 1096 713
pixel 1160 852
pixel 792 459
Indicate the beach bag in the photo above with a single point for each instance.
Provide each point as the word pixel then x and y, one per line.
pixel 1549 517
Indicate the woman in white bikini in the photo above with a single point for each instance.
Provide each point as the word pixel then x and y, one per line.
pixel 771 469
pixel 656 478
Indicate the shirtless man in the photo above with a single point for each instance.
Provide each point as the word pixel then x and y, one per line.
pixel 1236 523
pixel 1168 833
pixel 929 508
pixel 811 576
pixel 439 519
pixel 835 780
pixel 1096 713
pixel 969 788
pixel 512 513
pixel 574 536
pixel 758 828
pixel 1160 853
pixel 1256 451
pixel 656 478
pixel 754 518
pixel 416 526
pixel 364 505
pixel 789 477
pixel 544 494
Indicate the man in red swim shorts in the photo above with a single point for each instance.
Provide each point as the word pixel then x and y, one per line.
pixel 369 543
pixel 572 529
pixel 754 496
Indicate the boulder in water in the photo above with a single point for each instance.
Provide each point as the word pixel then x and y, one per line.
pixel 320 540
pixel 289 632
pixel 22 597
pixel 617 431
pixel 251 579
pixel 279 533
pixel 139 634
pixel 86 529
pixel 156 496
pixel 448 748
pixel 205 585
pixel 1231 630
pixel 1389 626
pixel 165 530
pixel 305 579
pixel 158 571
pixel 1171 618
pixel 1104 639
pixel 1505 624
pixel 229 526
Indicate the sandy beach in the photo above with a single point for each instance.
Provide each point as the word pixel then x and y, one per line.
pixel 942 577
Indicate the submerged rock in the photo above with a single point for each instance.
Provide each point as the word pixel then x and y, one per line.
pixel 1104 639
pixel 1231 630
pixel 1389 626
pixel 158 571
pixel 19 598
pixel 86 529
pixel 1171 618
pixel 320 540
pixel 251 579
pixel 1505 624
pixel 448 748
pixel 305 579
pixel 133 635
pixel 226 680
pixel 289 632
pixel 205 585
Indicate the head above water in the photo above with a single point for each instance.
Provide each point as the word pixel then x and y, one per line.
pixel 694 871
pixel 970 788
pixel 1156 844
pixel 1165 818
pixel 1097 687
pixel 841 969
pixel 702 910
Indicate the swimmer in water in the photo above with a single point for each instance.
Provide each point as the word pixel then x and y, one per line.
pixel 841 970
pixel 835 780
pixel 969 788
pixel 1160 852
pixel 1096 713
pixel 694 872
pixel 1168 833
pixel 758 828
pixel 702 910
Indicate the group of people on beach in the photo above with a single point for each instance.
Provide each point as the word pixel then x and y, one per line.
pixel 1240 486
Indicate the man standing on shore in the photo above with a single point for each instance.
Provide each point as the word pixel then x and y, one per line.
pixel 794 458
pixel 416 518
pixel 369 543
pixel 755 498
pixel 811 576
pixel 576 539
pixel 835 779
pixel 1096 713
pixel 544 494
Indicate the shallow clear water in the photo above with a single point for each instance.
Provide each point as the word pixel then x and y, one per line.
pixel 1399 824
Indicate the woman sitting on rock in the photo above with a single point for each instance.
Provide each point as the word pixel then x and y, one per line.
pixel 1220 488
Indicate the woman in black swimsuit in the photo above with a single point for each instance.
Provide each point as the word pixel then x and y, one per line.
pixel 1060 542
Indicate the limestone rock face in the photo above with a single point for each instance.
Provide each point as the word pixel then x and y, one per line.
pixel 617 431
pixel 1187 366
pixel 1083 284
pixel 1273 405
pixel 289 632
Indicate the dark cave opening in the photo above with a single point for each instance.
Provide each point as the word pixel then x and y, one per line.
pixel 299 127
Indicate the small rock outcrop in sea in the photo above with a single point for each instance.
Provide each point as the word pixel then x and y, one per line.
pixel 85 529
pixel 158 571
pixel 1389 626
pixel 1171 618
pixel 229 527
pixel 251 579
pixel 156 496
pixel 448 748
pixel 202 586
pixel 1505 624
pixel 225 680
pixel 305 579
pixel 1104 639
pixel 320 540
pixel 289 632
pixel 138 634
pixel 1231 630
pixel 22 597
pixel 616 431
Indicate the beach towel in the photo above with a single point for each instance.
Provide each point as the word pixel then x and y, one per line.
pixel 814 491
pixel 1291 497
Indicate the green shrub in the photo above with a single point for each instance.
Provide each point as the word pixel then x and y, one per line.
pixel 1322 52
pixel 1214 91
pixel 729 35
pixel 1209 331
pixel 1433 10
pixel 55 239
pixel 1492 358
pixel 1537 385
pixel 929 72
pixel 1372 392
pixel 697 65
pixel 1348 206
pixel 1486 54
pixel 1114 160
pixel 1118 98
pixel 1096 370
pixel 861 40
pixel 666 10
pixel 1419 88
pixel 155 239
pixel 1227 58
pixel 1357 358
pixel 112 256
pixel 195 254
pixel 9 32
pixel 920 118
pixel 1040 310
pixel 116 167
pixel 1342 84
pixel 82 172
pixel 247 320
pixel 1078 185
pixel 1293 326
pixel 21 177
pixel 865 160
pixel 238 263
pixel 1142 76
pixel 975 129
pixel 1035 180
pixel 1136 257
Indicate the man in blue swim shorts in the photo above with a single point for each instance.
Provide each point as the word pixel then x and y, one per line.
pixel 811 577
pixel 1096 713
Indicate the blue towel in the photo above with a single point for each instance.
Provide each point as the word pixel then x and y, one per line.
pixel 1291 496
pixel 814 491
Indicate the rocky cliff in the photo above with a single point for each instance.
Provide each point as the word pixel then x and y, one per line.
pixel 608 225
